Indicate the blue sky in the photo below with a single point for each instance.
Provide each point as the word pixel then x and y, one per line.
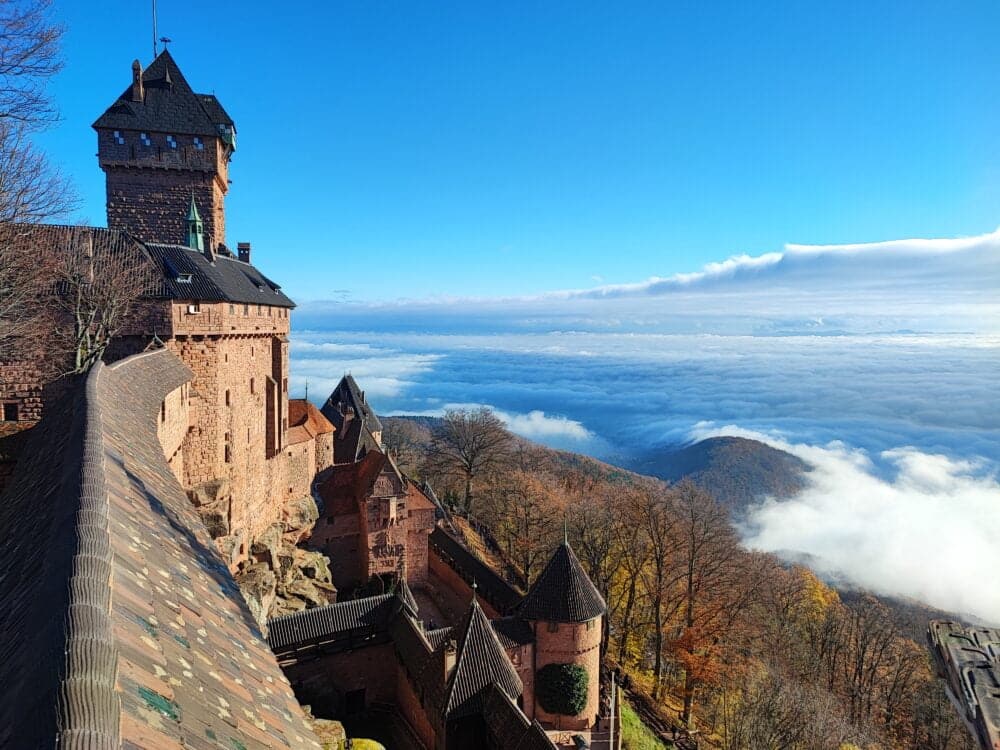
pixel 732 189
pixel 416 149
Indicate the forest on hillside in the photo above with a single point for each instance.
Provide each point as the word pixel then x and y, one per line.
pixel 736 645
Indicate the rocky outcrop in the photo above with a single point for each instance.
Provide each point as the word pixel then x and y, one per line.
pixel 280 578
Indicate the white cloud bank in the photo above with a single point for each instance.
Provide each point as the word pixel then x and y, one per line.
pixel 930 530
pixel 932 285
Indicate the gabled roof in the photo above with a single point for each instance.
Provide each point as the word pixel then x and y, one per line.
pixel 169 105
pixel 480 662
pixel 122 627
pixel 563 592
pixel 305 421
pixel 226 279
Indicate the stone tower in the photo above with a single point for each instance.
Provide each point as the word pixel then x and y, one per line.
pixel 566 613
pixel 160 145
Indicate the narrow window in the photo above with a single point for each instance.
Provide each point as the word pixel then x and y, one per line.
pixel 246 310
pixel 284 385
pixel 252 389
pixel 163 411
pixel 251 351
pixel 229 455
pixel 232 309
pixel 553 627
pixel 227 397
pixel 10 412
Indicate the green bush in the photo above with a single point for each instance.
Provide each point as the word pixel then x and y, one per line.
pixel 562 688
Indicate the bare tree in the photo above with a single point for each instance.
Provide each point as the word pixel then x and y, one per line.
pixel 30 189
pixel 98 286
pixel 29 57
pixel 466 444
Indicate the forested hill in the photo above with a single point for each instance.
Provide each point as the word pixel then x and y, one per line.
pixel 736 471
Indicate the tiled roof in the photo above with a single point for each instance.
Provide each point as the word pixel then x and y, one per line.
pixel 438 636
pixel 305 421
pixel 480 662
pixel 563 592
pixel 324 622
pixel 227 279
pixel 169 105
pixel 122 625
pixel 513 631
pixel 494 589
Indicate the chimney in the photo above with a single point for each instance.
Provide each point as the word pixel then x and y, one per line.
pixel 138 93
pixel 243 249
pixel 448 656
pixel 210 250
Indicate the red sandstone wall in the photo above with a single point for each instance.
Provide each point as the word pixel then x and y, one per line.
pixel 456 592
pixel 322 683
pixel 411 711
pixel 571 644
pixel 172 426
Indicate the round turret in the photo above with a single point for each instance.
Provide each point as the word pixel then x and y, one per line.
pixel 566 613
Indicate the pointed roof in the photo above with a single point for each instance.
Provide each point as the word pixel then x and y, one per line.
pixel 169 105
pixel 355 438
pixel 563 592
pixel 193 214
pixel 480 662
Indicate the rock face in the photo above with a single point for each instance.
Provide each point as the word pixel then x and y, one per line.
pixel 280 578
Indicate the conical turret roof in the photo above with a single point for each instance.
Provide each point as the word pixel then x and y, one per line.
pixel 563 592
pixel 480 662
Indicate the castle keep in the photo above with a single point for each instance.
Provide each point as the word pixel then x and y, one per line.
pixel 182 527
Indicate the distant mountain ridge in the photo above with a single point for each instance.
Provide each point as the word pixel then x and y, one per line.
pixel 737 471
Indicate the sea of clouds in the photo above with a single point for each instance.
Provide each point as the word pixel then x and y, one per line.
pixel 877 364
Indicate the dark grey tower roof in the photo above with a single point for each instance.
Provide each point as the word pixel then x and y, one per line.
pixel 563 592
pixel 481 661
pixel 169 105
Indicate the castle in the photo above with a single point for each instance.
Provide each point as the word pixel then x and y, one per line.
pixel 182 461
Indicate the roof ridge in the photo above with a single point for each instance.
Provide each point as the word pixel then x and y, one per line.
pixel 89 706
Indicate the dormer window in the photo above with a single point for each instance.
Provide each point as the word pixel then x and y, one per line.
pixel 119 138
pixel 198 144
pixel 183 278
pixel 171 141
pixel 144 137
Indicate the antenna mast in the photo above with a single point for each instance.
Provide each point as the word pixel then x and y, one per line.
pixel 154 29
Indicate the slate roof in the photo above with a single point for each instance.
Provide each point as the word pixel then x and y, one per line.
pixel 354 436
pixel 563 592
pixel 333 619
pixel 122 625
pixel 169 105
pixel 494 589
pixel 227 279
pixel 480 662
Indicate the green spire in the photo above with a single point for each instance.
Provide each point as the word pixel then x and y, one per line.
pixel 196 234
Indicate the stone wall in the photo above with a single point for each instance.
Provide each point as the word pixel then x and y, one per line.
pixel 453 589
pixel 172 426
pixel 325 682
pixel 149 187
pixel 412 711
